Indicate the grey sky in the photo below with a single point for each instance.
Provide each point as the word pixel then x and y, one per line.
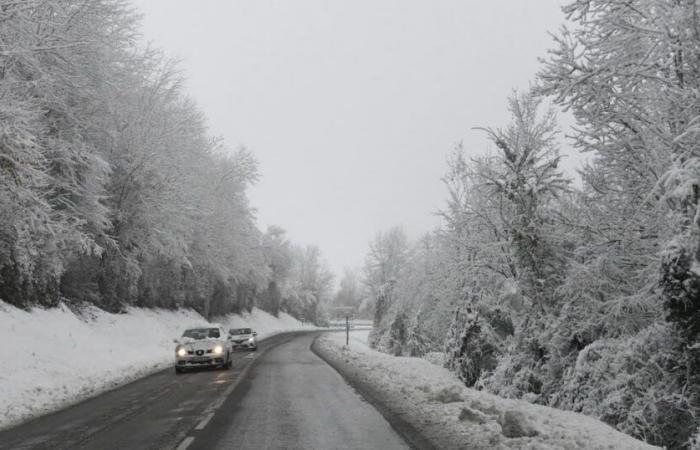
pixel 351 107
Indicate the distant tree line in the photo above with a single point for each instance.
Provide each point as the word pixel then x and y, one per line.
pixel 585 297
pixel 111 189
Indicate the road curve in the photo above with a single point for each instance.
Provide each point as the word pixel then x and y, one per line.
pixel 293 399
pixel 155 412
pixel 282 396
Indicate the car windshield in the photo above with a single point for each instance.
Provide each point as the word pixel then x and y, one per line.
pixel 237 331
pixel 202 333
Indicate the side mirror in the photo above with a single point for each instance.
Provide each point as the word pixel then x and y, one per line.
pixel 255 333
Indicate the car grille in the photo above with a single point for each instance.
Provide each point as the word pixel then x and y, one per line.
pixel 199 352
pixel 202 362
pixel 239 341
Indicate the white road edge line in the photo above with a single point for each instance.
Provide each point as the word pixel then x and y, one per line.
pixel 211 410
pixel 217 404
pixel 203 423
pixel 185 443
pixel 233 385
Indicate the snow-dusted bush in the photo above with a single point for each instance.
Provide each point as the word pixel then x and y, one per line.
pixel 472 346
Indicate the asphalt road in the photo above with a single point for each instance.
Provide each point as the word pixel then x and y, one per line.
pixel 282 396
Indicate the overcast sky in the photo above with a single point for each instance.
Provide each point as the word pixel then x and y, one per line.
pixel 351 107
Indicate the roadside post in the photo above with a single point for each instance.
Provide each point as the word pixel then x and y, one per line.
pixel 346 311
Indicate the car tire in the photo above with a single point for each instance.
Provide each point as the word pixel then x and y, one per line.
pixel 178 371
pixel 254 348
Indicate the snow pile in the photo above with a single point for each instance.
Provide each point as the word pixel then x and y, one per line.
pixel 54 357
pixel 451 415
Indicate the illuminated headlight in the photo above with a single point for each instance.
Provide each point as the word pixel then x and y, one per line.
pixel 181 351
pixel 251 340
pixel 218 350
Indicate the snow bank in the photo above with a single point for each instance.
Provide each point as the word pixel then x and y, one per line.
pixel 435 402
pixel 54 357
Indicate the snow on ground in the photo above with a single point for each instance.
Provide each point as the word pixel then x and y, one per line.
pixel 451 415
pixel 55 357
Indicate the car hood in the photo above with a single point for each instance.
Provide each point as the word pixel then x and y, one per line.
pixel 200 344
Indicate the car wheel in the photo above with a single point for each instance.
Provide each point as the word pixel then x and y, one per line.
pixel 178 371
pixel 254 348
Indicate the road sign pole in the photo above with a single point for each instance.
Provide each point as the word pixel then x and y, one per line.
pixel 347 330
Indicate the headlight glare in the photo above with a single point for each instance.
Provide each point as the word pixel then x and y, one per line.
pixel 218 350
pixel 251 340
pixel 181 351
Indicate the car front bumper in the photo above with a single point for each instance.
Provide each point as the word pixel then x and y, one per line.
pixel 200 361
pixel 244 345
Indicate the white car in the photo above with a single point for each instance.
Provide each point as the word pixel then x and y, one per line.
pixel 243 338
pixel 202 347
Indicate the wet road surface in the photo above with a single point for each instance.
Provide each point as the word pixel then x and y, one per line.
pixel 282 396
pixel 292 399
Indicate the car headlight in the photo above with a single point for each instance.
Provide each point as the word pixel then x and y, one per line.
pixel 251 340
pixel 181 351
pixel 218 350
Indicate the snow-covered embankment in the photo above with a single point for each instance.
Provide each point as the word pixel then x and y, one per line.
pixel 432 400
pixel 55 357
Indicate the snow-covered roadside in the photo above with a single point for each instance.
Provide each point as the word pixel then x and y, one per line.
pixel 55 357
pixel 450 415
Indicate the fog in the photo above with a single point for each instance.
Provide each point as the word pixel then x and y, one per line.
pixel 352 107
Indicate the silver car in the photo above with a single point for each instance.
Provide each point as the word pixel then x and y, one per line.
pixel 202 347
pixel 243 338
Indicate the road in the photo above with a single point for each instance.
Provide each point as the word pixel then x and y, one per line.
pixel 282 396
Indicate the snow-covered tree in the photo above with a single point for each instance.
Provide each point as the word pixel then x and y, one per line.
pixel 309 289
pixel 387 255
pixel 350 291
pixel 499 210
pixel 111 189
pixel 630 73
